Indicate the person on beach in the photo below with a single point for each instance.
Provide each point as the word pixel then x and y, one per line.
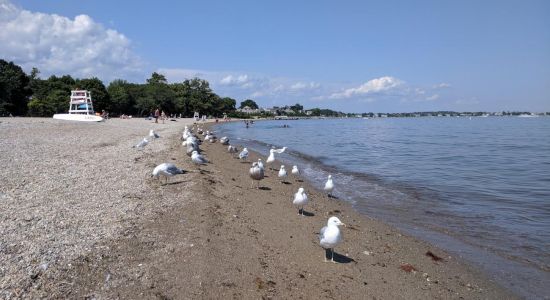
pixel 163 117
pixel 157 114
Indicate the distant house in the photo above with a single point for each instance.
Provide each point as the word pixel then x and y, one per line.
pixel 308 112
pixel 249 110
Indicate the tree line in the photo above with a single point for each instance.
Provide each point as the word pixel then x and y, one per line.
pixel 29 95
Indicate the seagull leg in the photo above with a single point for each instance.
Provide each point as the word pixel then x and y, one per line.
pixel 332 254
pixel 326 254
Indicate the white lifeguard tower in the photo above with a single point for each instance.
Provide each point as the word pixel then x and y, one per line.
pixel 81 108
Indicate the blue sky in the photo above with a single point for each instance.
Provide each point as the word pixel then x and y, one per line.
pixel 352 56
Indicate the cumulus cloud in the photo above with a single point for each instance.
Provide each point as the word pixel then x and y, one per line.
pixel 432 97
pixel 59 45
pixel 236 80
pixel 377 85
pixel 304 86
pixel 442 85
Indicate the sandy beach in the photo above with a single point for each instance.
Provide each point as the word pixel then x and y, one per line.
pixel 80 217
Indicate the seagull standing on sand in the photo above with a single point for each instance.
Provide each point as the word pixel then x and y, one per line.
pixel 224 140
pixel 295 171
pixel 141 144
pixel 300 200
pixel 232 149
pixel 329 186
pixel 244 154
pixel 256 173
pixel 153 134
pixel 198 159
pixel 271 158
pixel 282 173
pixel 166 170
pixel 260 163
pixel 330 236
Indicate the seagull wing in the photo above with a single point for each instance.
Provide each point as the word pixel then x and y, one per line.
pixel 322 233
pixel 280 150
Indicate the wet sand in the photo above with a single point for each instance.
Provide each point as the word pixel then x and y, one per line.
pixel 80 217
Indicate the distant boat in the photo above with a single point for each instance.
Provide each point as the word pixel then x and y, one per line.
pixel 527 116
pixel 81 108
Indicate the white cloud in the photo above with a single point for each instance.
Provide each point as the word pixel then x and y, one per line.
pixel 432 97
pixel 442 85
pixel 304 86
pixel 238 80
pixel 59 45
pixel 377 85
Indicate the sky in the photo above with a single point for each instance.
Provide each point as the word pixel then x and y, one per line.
pixel 351 56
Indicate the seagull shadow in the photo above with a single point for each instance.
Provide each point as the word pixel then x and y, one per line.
pixel 333 197
pixel 264 188
pixel 339 258
pixel 244 162
pixel 308 214
pixel 299 180
pixel 285 182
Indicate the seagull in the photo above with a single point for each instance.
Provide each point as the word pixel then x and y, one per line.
pixel 153 134
pixel 224 140
pixel 260 164
pixel 300 199
pixel 244 154
pixel 256 173
pixel 166 170
pixel 295 171
pixel 192 147
pixel 141 144
pixel 282 173
pixel 232 149
pixel 198 159
pixel 271 158
pixel 330 236
pixel 329 185
pixel 280 150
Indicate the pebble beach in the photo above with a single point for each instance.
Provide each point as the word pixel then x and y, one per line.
pixel 80 217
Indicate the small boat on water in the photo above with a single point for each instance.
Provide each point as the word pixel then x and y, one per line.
pixel 81 108
pixel 527 116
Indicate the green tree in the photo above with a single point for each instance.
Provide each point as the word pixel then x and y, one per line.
pixel 297 108
pixel 122 101
pixel 250 103
pixel 14 89
pixel 157 78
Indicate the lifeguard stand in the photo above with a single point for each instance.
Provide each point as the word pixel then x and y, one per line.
pixel 81 103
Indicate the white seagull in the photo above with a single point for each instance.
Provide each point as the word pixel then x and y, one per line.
pixel 271 158
pixel 244 154
pixel 141 144
pixel 224 140
pixel 198 159
pixel 166 170
pixel 300 199
pixel 295 171
pixel 329 185
pixel 282 173
pixel 256 173
pixel 330 236
pixel 153 134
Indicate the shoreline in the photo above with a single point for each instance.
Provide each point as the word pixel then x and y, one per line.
pixel 209 235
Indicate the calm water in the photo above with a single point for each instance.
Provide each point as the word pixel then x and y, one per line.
pixel 478 187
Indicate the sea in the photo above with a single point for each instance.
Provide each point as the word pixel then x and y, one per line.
pixel 477 187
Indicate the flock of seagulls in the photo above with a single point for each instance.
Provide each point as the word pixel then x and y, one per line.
pixel 329 237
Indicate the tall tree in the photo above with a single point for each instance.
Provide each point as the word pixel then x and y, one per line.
pixel 250 103
pixel 14 89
